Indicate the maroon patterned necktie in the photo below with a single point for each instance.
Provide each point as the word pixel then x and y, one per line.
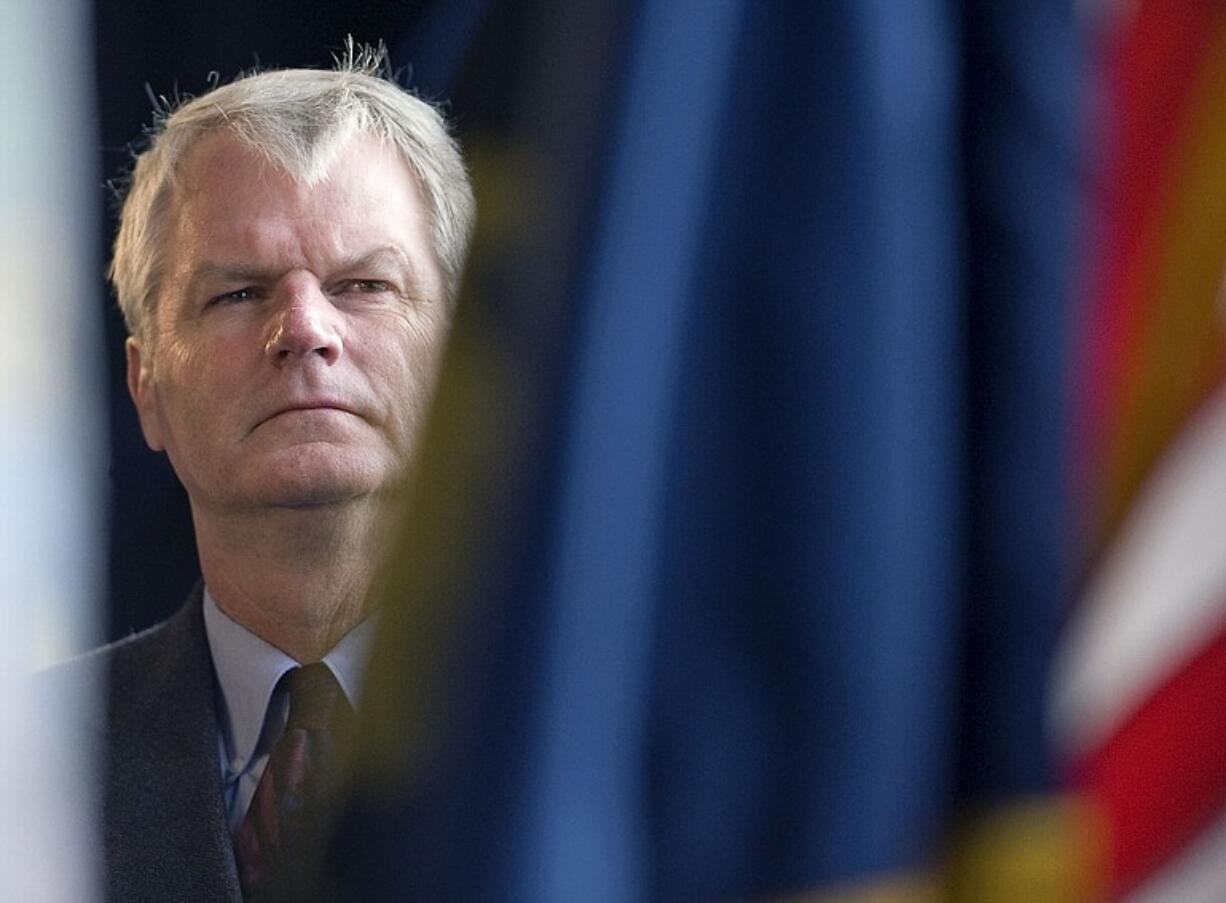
pixel 280 841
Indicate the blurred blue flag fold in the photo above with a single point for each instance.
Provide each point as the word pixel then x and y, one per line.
pixel 736 555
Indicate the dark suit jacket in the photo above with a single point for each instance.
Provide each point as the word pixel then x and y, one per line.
pixel 163 820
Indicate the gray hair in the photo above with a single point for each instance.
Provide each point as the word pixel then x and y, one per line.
pixel 297 119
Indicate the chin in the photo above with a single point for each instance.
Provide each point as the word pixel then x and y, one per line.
pixel 313 478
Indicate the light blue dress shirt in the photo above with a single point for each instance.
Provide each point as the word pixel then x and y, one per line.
pixel 252 709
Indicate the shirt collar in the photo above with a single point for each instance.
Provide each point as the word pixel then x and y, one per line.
pixel 249 667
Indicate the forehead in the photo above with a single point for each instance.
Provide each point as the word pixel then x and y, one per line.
pixel 230 201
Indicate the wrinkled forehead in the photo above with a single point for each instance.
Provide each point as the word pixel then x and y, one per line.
pixel 223 174
pixel 221 160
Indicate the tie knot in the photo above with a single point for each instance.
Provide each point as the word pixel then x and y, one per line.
pixel 314 696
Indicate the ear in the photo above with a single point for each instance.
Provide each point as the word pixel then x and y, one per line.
pixel 144 395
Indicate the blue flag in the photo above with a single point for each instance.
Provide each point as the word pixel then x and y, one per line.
pixel 735 558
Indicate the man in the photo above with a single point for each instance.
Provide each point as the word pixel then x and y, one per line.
pixel 288 255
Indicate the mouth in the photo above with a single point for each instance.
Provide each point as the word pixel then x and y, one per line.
pixel 304 408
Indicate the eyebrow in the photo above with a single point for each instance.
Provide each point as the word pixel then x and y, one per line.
pixel 373 258
pixel 224 272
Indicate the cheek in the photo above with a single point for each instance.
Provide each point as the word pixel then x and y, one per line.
pixel 428 337
pixel 423 360
pixel 401 374
pixel 409 350
pixel 406 378
pixel 180 364
pixel 193 386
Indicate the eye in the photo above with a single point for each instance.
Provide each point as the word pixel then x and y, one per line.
pixel 248 293
pixel 365 286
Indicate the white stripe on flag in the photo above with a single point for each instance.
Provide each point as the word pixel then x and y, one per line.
pixel 1159 592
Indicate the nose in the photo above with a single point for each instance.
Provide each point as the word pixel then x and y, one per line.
pixel 303 323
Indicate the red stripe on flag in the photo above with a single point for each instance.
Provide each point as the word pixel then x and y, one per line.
pixel 1161 777
pixel 1151 68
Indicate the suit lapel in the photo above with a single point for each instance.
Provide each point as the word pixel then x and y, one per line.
pixel 165 825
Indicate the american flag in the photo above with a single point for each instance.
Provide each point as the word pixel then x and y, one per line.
pixel 1142 678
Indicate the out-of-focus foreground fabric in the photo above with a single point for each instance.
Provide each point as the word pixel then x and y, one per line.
pixel 51 454
pixel 738 548
pixel 1142 675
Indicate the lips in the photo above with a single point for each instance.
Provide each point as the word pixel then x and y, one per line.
pixel 323 404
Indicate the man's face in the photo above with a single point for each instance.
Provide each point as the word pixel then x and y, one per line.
pixel 298 330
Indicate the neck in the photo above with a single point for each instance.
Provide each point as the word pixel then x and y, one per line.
pixel 298 578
